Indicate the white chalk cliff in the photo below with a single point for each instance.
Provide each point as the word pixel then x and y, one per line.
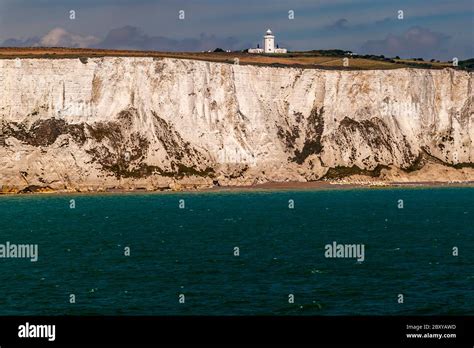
pixel 92 124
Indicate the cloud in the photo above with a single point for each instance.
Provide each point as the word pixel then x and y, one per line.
pixel 30 42
pixel 415 42
pixel 128 37
pixel 340 24
pixel 57 37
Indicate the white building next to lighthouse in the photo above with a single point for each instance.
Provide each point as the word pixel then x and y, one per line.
pixel 268 45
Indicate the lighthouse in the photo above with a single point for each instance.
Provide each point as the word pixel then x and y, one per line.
pixel 269 42
pixel 268 45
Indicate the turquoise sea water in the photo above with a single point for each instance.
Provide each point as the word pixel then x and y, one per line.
pixel 190 251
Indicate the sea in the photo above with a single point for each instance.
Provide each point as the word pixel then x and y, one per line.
pixel 241 253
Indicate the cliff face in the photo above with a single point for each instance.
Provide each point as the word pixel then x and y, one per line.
pixel 149 122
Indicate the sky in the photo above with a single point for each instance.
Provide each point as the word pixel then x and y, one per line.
pixel 439 29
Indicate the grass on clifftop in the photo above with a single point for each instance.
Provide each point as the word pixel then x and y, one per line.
pixel 329 59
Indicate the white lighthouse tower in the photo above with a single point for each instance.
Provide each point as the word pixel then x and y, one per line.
pixel 268 45
pixel 269 42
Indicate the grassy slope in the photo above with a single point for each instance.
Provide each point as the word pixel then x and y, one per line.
pixel 315 59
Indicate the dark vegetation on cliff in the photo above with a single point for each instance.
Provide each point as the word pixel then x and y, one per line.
pixel 314 131
pixel 43 132
pixel 118 154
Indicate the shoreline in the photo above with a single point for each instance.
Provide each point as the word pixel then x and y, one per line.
pixel 270 186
